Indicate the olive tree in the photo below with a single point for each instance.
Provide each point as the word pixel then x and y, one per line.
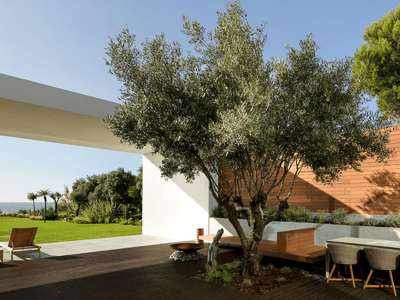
pixel 377 63
pixel 225 105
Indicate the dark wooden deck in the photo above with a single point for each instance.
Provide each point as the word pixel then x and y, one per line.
pixel 147 273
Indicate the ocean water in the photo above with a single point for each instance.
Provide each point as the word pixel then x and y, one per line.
pixel 9 207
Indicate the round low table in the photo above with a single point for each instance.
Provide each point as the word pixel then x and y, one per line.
pixel 186 251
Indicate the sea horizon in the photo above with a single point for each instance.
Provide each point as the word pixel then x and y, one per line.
pixel 9 207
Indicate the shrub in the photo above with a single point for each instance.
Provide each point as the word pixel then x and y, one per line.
pixel 286 270
pixel 270 211
pixel 299 214
pixel 338 216
pixel 50 215
pixel 370 222
pixel 393 219
pixel 226 271
pixel 38 218
pixel 80 220
pixel 31 217
pixel 98 212
pixel 222 212
pixel 137 217
pixel 138 222
pixel 219 212
pixel 127 222
pixel 63 215
pixel 321 217
pixel 23 211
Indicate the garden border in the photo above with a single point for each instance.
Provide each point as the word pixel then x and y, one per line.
pixel 323 232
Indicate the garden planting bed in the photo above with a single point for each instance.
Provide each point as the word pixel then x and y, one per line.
pixel 323 232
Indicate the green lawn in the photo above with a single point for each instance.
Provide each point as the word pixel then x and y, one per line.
pixel 59 231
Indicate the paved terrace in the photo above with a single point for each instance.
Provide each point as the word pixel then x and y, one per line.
pixel 138 267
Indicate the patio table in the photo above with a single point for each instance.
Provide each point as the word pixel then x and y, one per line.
pixel 362 243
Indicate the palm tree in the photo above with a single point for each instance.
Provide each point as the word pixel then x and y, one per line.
pixel 56 197
pixel 44 193
pixel 32 197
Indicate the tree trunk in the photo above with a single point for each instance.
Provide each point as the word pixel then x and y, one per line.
pixel 55 208
pixel 126 212
pixel 283 204
pixel 45 209
pixel 77 210
pixel 251 259
pixel 33 207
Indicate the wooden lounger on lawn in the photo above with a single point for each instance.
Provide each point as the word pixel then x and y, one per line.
pixel 21 241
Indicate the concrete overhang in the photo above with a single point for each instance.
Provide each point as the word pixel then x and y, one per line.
pixel 36 111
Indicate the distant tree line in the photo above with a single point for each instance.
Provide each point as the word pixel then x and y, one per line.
pixel 118 188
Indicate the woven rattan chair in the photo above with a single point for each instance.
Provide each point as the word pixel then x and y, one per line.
pixel 382 259
pixel 344 255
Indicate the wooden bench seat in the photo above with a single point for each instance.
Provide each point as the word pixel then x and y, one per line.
pixel 295 245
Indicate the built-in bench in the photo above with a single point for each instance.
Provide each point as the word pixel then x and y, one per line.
pixel 295 245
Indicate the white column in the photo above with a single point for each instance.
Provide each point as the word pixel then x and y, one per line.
pixel 173 208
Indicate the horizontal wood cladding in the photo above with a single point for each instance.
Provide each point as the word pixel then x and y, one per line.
pixel 375 190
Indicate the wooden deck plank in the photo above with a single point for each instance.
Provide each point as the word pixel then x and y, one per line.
pixel 293 288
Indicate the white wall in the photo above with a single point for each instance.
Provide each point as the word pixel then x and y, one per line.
pixel 173 208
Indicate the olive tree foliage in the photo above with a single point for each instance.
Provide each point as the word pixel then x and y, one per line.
pixel 226 105
pixel 377 63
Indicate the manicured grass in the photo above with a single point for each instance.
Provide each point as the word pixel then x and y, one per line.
pixel 59 231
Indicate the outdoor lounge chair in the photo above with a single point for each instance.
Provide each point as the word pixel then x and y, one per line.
pixel 21 241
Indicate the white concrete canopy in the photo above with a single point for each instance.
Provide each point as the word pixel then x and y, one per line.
pixel 171 209
pixel 36 111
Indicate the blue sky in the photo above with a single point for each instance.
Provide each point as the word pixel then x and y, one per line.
pixel 62 44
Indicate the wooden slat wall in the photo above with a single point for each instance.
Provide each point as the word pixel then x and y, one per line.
pixel 374 191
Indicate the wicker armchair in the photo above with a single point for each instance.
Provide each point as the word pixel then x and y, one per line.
pixel 344 255
pixel 382 259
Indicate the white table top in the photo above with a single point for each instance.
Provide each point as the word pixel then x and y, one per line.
pixel 367 242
